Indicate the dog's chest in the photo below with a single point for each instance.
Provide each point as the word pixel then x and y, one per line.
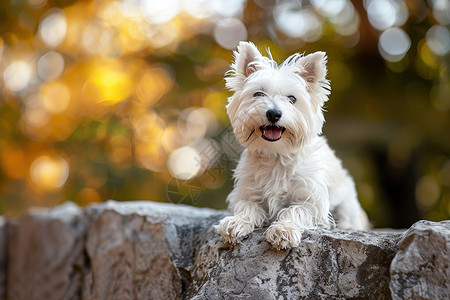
pixel 273 177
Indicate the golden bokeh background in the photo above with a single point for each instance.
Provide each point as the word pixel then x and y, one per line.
pixel 125 99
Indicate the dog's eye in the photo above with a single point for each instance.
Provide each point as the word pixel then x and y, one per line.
pixel 292 99
pixel 259 94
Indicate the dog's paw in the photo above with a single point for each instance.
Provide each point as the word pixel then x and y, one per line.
pixel 283 235
pixel 233 228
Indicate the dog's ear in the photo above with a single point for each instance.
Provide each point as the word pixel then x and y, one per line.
pixel 246 61
pixel 246 58
pixel 313 67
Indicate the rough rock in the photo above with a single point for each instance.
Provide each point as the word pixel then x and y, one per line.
pixel 45 254
pixel 142 250
pixel 148 250
pixel 326 265
pixel 2 258
pixel 420 269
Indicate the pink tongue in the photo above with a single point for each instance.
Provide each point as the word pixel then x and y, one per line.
pixel 272 133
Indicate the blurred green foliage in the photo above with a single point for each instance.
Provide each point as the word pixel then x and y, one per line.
pixel 125 99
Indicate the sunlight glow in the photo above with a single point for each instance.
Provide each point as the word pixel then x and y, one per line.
pixel 383 14
pixel 50 173
pixel 50 66
pixel 184 163
pixel 53 27
pixel 393 44
pixel 108 84
pixel 56 97
pixel 295 23
pixel 438 40
pixel 158 12
pixel 228 32
pixel 17 75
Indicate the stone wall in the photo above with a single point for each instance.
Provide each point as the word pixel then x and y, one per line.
pixel 148 250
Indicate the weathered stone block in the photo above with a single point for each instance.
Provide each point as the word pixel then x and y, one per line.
pixel 149 250
pixel 45 254
pixel 3 258
pixel 142 250
pixel 326 265
pixel 421 267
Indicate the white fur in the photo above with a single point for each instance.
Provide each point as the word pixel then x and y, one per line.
pixel 294 182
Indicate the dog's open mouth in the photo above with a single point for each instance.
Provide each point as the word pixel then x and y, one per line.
pixel 271 133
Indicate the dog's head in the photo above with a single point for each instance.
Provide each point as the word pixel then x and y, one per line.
pixel 275 109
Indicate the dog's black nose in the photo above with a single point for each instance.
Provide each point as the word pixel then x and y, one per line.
pixel 273 115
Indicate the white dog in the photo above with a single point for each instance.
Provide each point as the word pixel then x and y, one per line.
pixel 287 175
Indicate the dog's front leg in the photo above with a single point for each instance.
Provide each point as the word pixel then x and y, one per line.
pixel 286 231
pixel 247 215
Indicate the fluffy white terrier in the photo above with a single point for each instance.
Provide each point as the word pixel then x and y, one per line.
pixel 287 174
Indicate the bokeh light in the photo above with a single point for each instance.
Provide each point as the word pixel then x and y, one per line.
pixel 441 11
pixel 184 163
pixel 37 3
pixel 427 192
pixel 228 32
pixel 153 84
pixel 159 12
pixel 298 23
pixel 393 44
pixel 50 66
pixel 438 40
pixel 50 173
pixel 53 27
pixel 341 13
pixel 384 14
pixel 17 75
